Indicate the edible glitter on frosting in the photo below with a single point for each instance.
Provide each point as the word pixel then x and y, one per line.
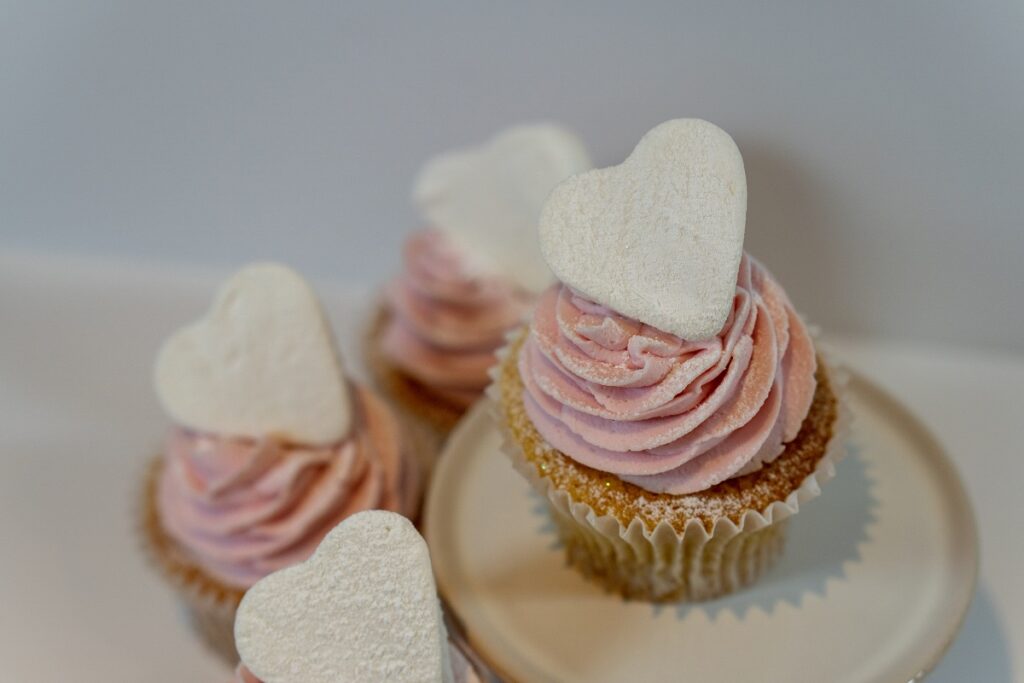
pixel 666 414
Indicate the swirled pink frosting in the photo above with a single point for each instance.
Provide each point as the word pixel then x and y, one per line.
pixel 669 415
pixel 462 671
pixel 244 508
pixel 447 320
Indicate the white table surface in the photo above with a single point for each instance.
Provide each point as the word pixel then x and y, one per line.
pixel 78 420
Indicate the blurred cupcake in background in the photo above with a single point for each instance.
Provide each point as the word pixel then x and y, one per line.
pixel 272 446
pixel 666 399
pixel 471 274
pixel 363 608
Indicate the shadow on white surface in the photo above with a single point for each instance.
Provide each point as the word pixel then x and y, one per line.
pixel 822 540
pixel 982 640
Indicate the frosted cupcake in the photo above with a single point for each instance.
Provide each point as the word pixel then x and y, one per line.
pixel 666 398
pixel 472 274
pixel 363 608
pixel 271 446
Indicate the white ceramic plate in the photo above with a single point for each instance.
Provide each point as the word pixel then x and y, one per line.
pixel 876 579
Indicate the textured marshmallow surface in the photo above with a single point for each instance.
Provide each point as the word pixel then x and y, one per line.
pixel 362 609
pixel 261 363
pixel 659 237
pixel 488 199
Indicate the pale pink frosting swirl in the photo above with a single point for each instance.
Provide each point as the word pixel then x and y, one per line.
pixel 462 670
pixel 243 508
pixel 669 415
pixel 447 320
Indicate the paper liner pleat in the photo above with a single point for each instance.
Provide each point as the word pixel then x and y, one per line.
pixel 662 564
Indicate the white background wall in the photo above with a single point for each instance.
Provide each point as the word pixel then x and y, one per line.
pixel 883 140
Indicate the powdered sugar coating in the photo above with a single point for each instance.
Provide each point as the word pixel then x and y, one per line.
pixel 659 237
pixel 363 608
pixel 262 362
pixel 487 199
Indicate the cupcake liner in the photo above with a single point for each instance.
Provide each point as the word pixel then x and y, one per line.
pixel 663 564
pixel 209 604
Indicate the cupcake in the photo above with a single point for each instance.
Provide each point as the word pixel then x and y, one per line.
pixel 666 399
pixel 471 275
pixel 363 608
pixel 271 446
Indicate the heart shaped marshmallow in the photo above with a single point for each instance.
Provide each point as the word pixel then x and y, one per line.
pixel 363 608
pixel 261 363
pixel 659 237
pixel 487 199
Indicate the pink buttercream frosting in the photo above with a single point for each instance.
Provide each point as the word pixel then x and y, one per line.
pixel 244 508
pixel 666 414
pixel 447 320
pixel 462 671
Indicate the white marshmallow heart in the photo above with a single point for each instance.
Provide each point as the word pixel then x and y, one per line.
pixel 659 237
pixel 261 363
pixel 363 608
pixel 487 199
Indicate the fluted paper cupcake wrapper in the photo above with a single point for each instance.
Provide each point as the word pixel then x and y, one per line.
pixel 663 564
pixel 209 604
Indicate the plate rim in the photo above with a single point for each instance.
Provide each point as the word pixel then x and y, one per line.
pixel 945 469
